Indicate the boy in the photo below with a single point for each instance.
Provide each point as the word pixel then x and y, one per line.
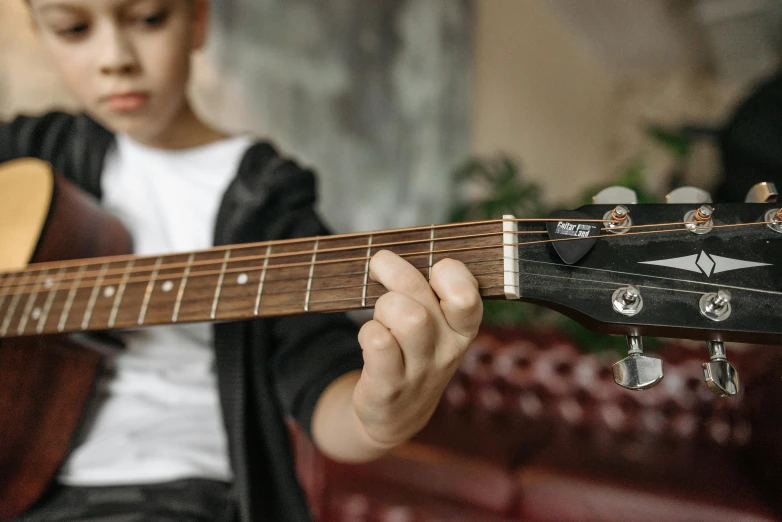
pixel 156 447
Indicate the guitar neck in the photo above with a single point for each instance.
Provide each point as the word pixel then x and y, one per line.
pixel 322 274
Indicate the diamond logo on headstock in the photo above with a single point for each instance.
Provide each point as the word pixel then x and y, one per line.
pixel 705 263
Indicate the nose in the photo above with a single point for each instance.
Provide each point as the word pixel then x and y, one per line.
pixel 118 56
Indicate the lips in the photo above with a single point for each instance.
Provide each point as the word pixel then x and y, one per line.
pixel 127 102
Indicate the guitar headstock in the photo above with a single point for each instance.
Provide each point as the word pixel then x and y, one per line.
pixel 694 270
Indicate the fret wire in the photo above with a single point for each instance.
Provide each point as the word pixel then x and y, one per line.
pixel 375 284
pixel 466 262
pixel 69 300
pixel 347 260
pixel 148 292
pixel 120 293
pixel 30 303
pixel 220 284
pixel 366 272
pixel 346 287
pixel 9 314
pixel 309 281
pixel 263 278
pixel 181 291
pixel 431 252
pixel 6 287
pixel 47 307
pixel 93 297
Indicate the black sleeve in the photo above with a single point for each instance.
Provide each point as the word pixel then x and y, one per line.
pixel 312 351
pixel 307 352
pixel 43 137
pixel 74 145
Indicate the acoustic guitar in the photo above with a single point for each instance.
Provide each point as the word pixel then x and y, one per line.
pixel 684 270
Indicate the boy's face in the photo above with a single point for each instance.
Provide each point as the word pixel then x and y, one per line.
pixel 126 61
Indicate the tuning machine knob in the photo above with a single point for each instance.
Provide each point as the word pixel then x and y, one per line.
pixel 637 371
pixel 720 376
pixel 762 193
pixel 615 195
pixel 685 195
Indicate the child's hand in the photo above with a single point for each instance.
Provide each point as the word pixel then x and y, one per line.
pixel 414 344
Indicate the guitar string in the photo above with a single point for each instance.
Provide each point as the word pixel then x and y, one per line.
pixel 549 276
pixel 235 260
pixel 296 279
pixel 544 276
pixel 678 280
pixel 89 284
pixel 283 242
pixel 85 276
pixel 375 298
pixel 51 265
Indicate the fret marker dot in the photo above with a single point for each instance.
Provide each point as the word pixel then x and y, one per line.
pixel 108 291
pixel 36 313
pixel 242 279
pixel 167 286
pixel 48 283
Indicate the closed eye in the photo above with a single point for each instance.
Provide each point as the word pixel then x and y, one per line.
pixel 74 31
pixel 154 20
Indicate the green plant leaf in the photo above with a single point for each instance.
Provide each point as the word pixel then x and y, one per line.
pixel 677 143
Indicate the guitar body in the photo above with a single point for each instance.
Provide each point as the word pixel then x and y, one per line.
pixel 47 381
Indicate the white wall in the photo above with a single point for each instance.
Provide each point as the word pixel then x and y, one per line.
pixel 539 97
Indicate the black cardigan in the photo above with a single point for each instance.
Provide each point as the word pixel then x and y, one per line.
pixel 266 368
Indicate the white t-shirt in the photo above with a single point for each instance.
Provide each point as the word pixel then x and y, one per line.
pixel 159 417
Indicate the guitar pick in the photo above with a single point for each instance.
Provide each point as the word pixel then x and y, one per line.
pixel 565 228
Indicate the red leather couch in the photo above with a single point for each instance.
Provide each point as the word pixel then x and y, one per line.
pixel 532 429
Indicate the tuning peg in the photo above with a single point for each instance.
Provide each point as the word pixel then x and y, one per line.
pixel 615 195
pixel 699 221
pixel 684 195
pixel 637 371
pixel 762 193
pixel 617 220
pixel 627 300
pixel 721 377
pixel 773 217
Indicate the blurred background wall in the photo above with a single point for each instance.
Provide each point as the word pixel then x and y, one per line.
pixel 386 98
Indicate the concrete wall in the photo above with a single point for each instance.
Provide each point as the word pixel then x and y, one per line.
pixel 375 94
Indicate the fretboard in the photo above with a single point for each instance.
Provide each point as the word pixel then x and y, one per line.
pixel 323 274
